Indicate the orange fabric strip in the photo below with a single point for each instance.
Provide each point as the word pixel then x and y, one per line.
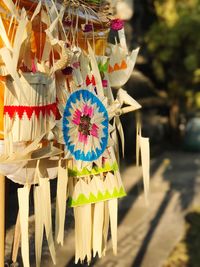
pixel 1 106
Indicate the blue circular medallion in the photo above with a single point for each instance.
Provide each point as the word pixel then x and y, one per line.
pixel 85 125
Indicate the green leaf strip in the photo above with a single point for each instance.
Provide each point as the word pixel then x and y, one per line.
pixel 83 200
pixel 96 170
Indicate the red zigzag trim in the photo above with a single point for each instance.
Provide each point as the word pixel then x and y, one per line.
pixel 29 110
pixel 90 81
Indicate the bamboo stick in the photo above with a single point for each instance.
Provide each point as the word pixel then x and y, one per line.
pixel 2 219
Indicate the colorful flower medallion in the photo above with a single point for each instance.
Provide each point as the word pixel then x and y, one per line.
pixel 85 126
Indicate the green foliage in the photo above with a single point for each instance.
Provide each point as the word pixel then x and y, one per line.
pixel 174 44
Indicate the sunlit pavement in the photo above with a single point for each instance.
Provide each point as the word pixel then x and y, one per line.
pixel 146 234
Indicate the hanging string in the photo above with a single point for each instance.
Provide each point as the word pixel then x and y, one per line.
pixel 33 4
pixel 58 15
pixel 41 39
pixel 14 26
pixel 76 28
pixel 69 18
pixel 73 31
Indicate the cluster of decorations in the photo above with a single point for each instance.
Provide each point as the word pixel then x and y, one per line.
pixel 59 118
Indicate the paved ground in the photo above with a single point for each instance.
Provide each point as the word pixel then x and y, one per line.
pixel 146 235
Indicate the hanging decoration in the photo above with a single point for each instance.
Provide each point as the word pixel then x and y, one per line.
pixel 60 118
pixel 85 126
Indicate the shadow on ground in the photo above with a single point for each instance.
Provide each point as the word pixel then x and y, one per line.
pixel 181 176
pixel 186 253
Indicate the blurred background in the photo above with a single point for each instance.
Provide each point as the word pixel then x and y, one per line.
pixel 167 75
pixel 166 82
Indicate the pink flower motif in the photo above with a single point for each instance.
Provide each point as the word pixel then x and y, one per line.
pixel 104 83
pixel 88 111
pixel 117 24
pixel 85 126
pixel 94 130
pixel 83 120
pixel 82 138
pixel 77 117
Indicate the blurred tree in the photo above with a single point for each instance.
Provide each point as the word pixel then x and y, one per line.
pixel 144 16
pixel 173 42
